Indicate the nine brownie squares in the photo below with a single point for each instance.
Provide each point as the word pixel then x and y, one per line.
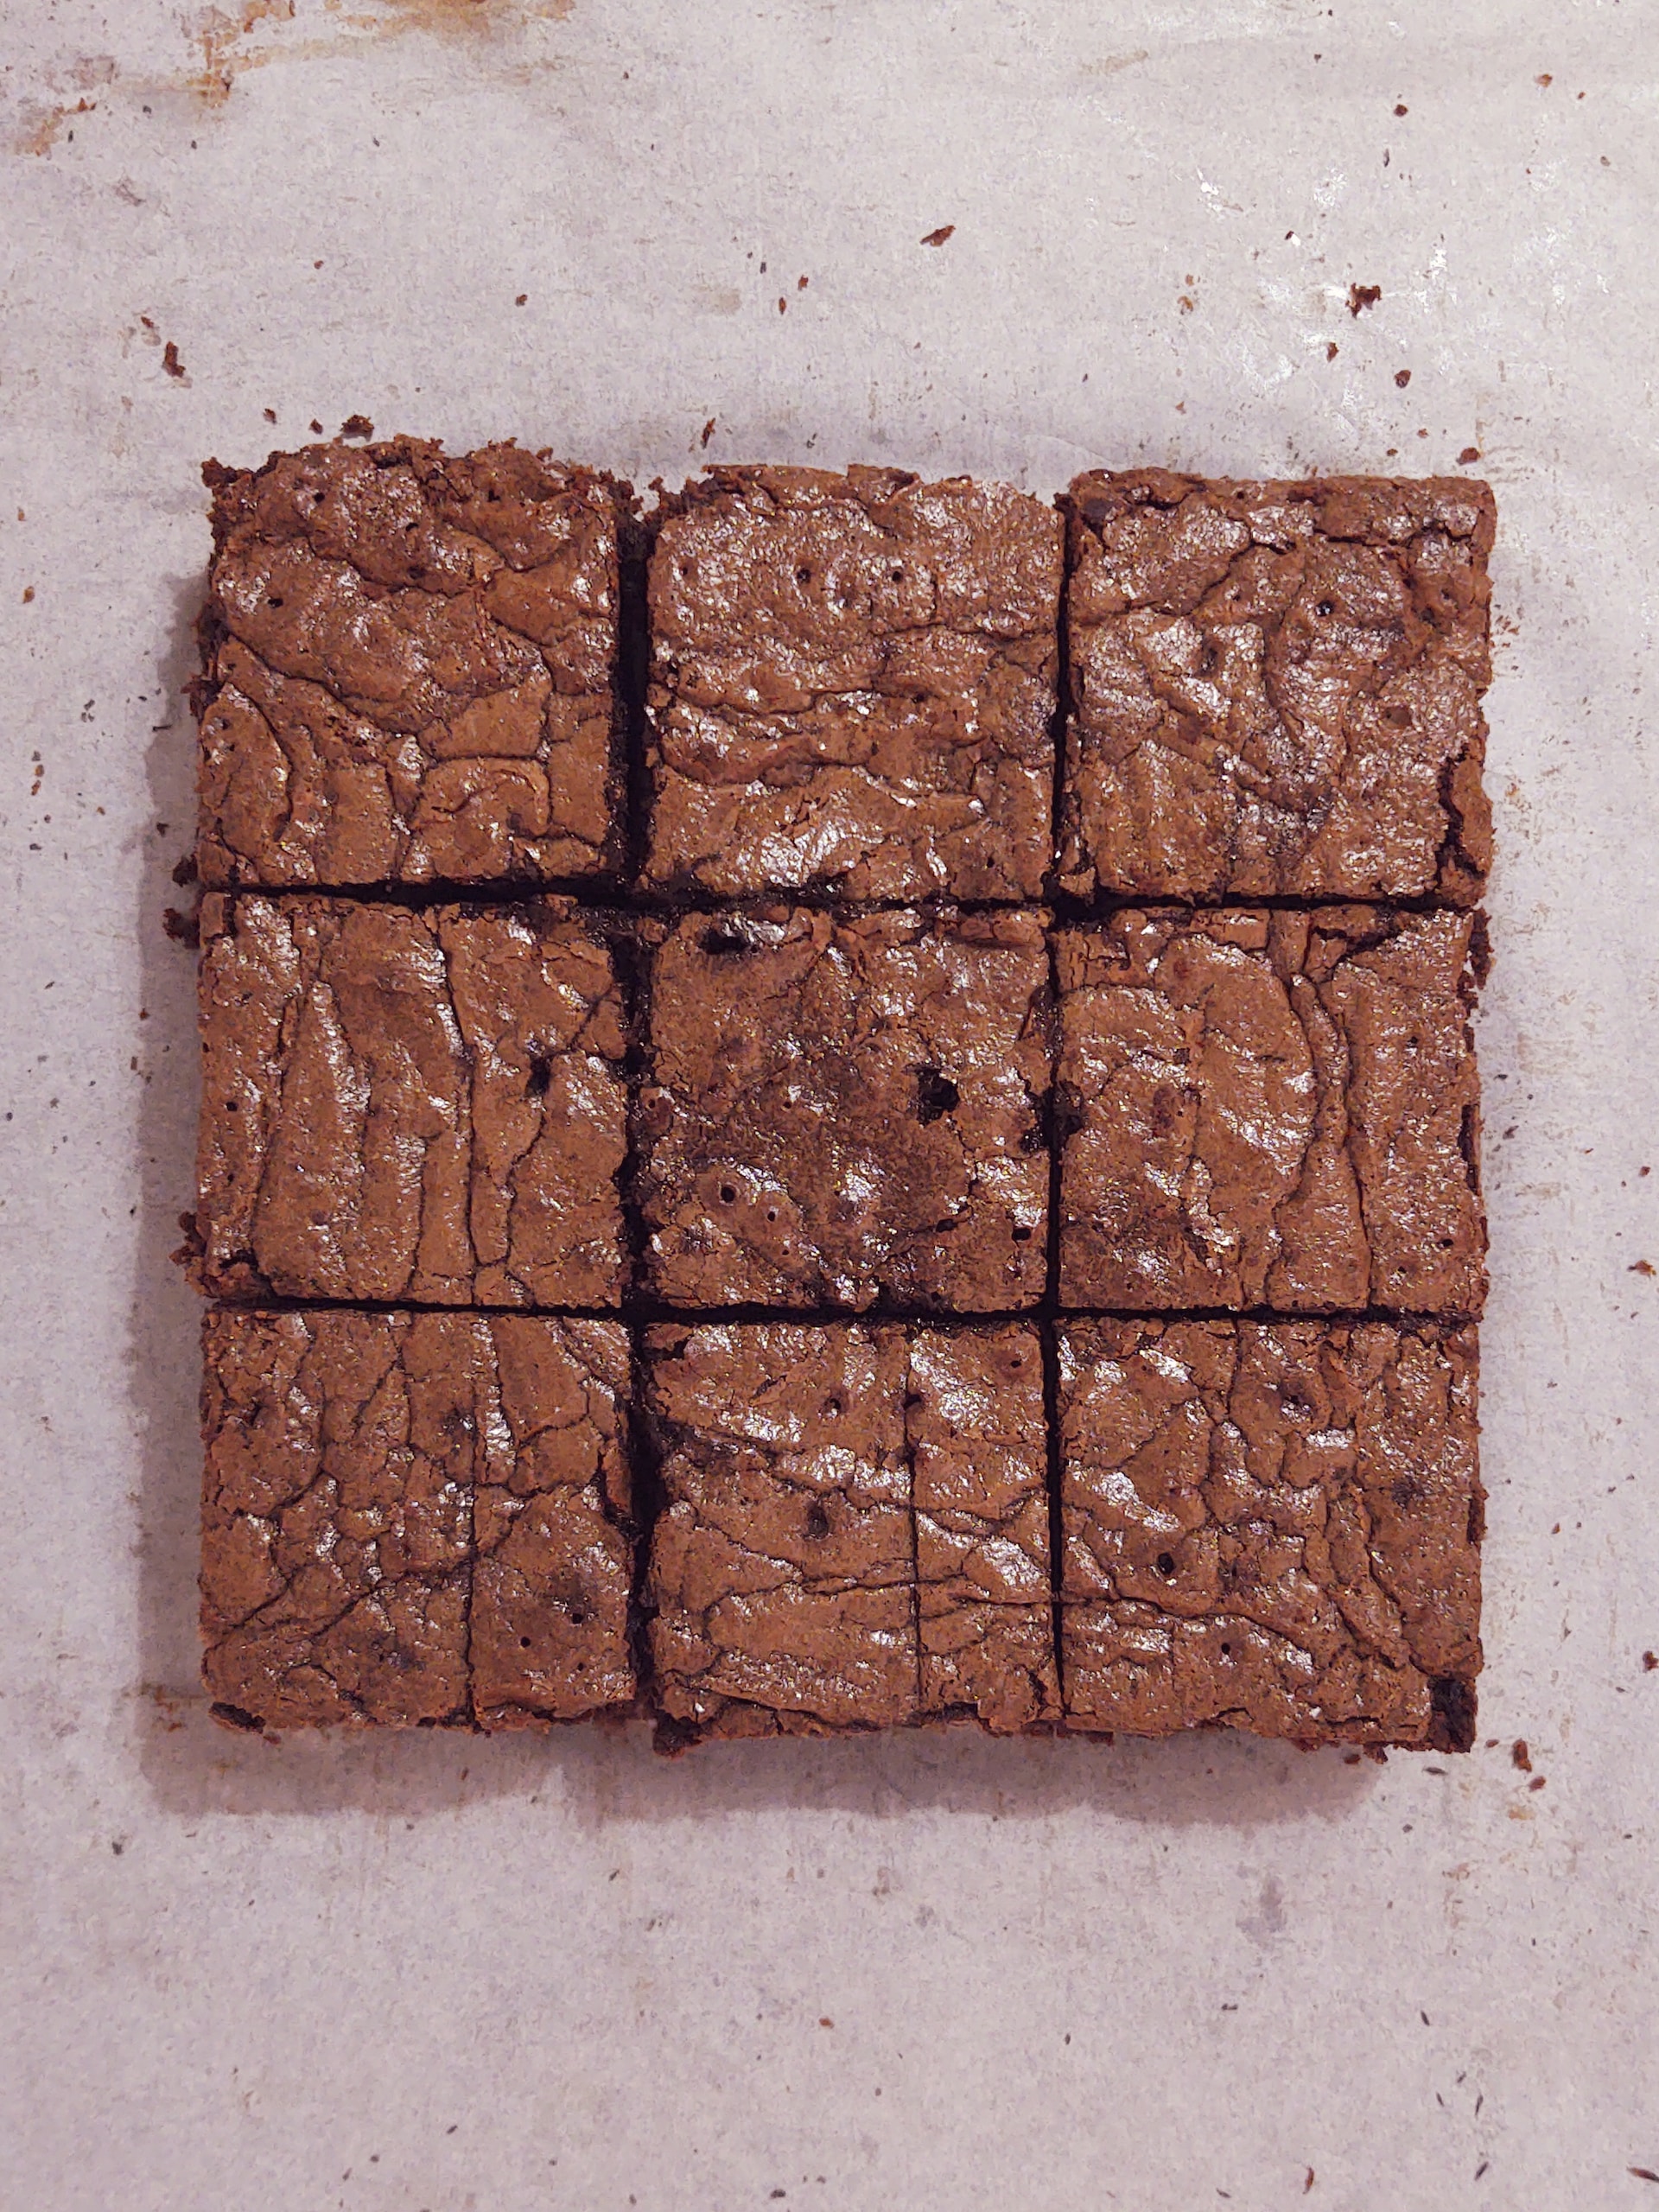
pixel 413 1518
pixel 409 1105
pixel 1274 1525
pixel 744 1123
pixel 843 1111
pixel 1275 688
pixel 853 685
pixel 411 667
pixel 1268 1108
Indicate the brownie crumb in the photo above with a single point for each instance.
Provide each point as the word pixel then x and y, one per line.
pixel 1361 296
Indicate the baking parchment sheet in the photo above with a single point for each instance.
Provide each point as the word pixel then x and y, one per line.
pixel 926 1971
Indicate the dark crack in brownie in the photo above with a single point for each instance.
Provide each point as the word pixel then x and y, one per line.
pixel 1272 1526
pixel 410 669
pixel 414 1518
pixel 853 685
pixel 1275 688
pixel 1270 1110
pixel 846 1110
pixel 409 1106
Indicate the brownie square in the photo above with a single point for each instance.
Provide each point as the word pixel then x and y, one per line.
pixel 1275 688
pixel 552 1520
pixel 977 1437
pixel 1275 1526
pixel 853 685
pixel 408 1107
pixel 842 1111
pixel 410 669
pixel 1270 1109
pixel 782 1567
pixel 347 1458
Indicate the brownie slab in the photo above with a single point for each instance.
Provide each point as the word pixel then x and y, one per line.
pixel 841 1111
pixel 783 1565
pixel 413 1518
pixel 552 1520
pixel 1272 1526
pixel 1275 688
pixel 1268 1108
pixel 853 685
pixel 410 669
pixel 409 1107
pixel 977 1438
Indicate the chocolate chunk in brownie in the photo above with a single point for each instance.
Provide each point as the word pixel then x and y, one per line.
pixel 349 1457
pixel 853 685
pixel 1273 1525
pixel 843 1111
pixel 409 1107
pixel 553 1521
pixel 410 669
pixel 1275 688
pixel 782 1567
pixel 1270 1109
pixel 977 1438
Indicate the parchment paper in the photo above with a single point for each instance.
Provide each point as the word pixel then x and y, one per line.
pixel 926 1972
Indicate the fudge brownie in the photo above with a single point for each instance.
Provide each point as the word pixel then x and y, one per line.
pixel 1275 1526
pixel 843 1111
pixel 853 685
pixel 782 1564
pixel 977 1438
pixel 552 1522
pixel 413 1517
pixel 409 668
pixel 1270 1110
pixel 409 1107
pixel 1275 688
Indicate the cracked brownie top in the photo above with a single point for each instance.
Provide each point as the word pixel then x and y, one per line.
pixel 853 685
pixel 1275 688
pixel 410 664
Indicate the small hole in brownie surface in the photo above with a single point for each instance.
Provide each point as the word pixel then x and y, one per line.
pixel 1226 1651
pixel 1165 1563
pixel 540 1076
pixel 578 1617
pixel 273 602
pixel 935 1095
pixel 802 575
pixel 1022 1236
pixel 772 1213
pixel 724 939
pixel 1325 606
pixel 897 576
pixel 524 1643
pixel 834 1404
pixel 818 1521
pixel 233 1105
pixel 728 1194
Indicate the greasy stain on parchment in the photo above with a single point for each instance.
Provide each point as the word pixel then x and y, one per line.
pixel 225 43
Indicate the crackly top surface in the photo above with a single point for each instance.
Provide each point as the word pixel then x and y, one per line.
pixel 840 1111
pixel 409 668
pixel 1276 1526
pixel 1276 687
pixel 422 1106
pixel 414 1516
pixel 782 1575
pixel 853 683
pixel 1270 1109
pixel 976 1431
